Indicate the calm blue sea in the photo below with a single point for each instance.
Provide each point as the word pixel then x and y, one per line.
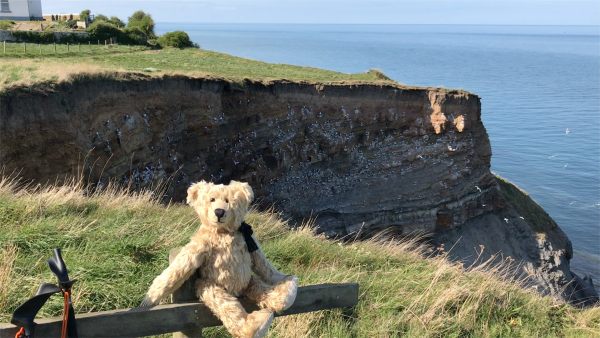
pixel 539 87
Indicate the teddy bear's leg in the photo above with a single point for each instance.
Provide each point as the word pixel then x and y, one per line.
pixel 276 297
pixel 234 317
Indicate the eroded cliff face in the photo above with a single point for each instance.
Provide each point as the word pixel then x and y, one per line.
pixel 358 158
pixel 350 155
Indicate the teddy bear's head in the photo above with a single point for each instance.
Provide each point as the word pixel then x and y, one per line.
pixel 221 206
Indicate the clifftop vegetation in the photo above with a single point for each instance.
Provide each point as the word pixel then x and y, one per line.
pixel 139 30
pixel 20 68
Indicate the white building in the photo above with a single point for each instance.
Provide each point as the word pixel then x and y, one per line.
pixel 21 9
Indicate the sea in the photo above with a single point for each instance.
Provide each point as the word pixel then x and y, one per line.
pixel 539 88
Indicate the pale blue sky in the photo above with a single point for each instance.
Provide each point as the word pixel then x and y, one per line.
pixel 524 12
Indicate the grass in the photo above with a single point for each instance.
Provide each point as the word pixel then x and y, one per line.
pixel 51 66
pixel 537 217
pixel 6 24
pixel 116 243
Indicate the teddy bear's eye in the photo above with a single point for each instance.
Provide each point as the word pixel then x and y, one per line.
pixel 226 200
pixel 212 199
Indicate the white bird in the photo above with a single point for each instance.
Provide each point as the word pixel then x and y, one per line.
pixel 567 131
pixel 505 219
pixel 478 188
pixel 521 217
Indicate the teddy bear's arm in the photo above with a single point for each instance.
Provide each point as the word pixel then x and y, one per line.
pixel 263 268
pixel 183 266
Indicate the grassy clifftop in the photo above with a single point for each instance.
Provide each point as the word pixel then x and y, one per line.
pixel 115 243
pixel 26 65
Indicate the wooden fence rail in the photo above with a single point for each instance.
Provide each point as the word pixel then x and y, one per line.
pixel 183 317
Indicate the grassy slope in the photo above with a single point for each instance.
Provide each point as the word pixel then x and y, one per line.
pixel 115 244
pixel 18 67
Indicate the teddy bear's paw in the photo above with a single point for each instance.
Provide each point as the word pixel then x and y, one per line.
pixel 258 323
pixel 291 292
pixel 146 303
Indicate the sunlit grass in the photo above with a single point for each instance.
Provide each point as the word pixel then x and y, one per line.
pixel 115 243
pixel 28 64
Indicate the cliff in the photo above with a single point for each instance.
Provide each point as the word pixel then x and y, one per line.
pixel 358 158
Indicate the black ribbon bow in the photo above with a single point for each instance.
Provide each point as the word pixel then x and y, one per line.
pixel 246 230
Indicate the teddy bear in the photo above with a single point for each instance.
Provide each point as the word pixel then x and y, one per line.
pixel 230 262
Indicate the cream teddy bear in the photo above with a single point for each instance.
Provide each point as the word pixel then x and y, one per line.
pixel 230 263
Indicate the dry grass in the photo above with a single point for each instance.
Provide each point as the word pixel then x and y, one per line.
pixel 23 72
pixel 8 255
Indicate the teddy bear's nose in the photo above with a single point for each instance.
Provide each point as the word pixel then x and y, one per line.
pixel 219 213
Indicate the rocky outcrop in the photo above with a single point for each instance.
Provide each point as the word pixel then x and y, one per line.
pixel 357 158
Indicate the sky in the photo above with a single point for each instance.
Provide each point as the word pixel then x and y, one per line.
pixel 496 12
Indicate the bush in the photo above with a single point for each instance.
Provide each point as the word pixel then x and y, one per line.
pixel 116 21
pixel 133 36
pixel 34 37
pixel 100 17
pixel 48 37
pixel 177 39
pixel 71 24
pixel 102 30
pixel 85 15
pixel 6 24
pixel 143 21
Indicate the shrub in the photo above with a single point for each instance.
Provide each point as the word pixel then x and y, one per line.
pixel 134 36
pixel 6 24
pixel 102 30
pixel 71 24
pixel 142 21
pixel 100 17
pixel 34 37
pixel 116 21
pixel 85 15
pixel 177 39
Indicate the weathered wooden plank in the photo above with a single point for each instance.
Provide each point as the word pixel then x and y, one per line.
pixel 184 317
pixel 185 294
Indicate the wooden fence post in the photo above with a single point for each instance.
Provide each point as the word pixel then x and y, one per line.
pixel 68 47
pixel 24 47
pixel 186 293
pixel 4 46
pixel 54 47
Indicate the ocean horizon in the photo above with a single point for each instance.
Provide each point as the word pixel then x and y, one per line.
pixel 539 88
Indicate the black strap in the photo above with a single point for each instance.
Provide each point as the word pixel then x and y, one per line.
pixel 246 230
pixel 25 314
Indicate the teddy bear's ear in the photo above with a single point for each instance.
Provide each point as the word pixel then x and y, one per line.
pixel 244 189
pixel 196 190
